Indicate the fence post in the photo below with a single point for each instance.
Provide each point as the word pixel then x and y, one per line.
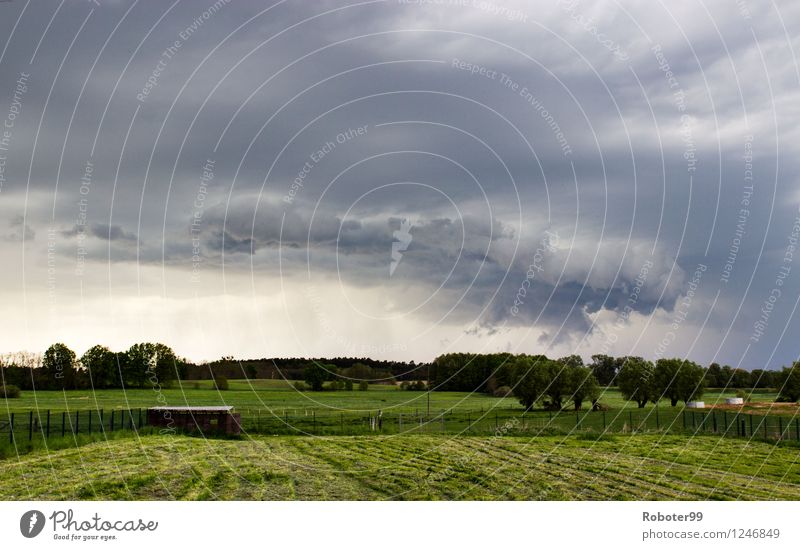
pixel 139 423
pixel 766 419
pixel 11 430
pixel 48 423
pixel 77 422
pixel 725 421
pixel 751 424
pixel 112 420
pixel 630 418
pixel 63 423
pixel 683 414
pixel 780 428
pixel 314 417
pixel 714 420
pixel 30 426
pixel 90 421
pixel 797 428
pixel 658 424
pixel 604 420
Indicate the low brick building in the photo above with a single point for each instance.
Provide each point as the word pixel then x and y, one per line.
pixel 211 420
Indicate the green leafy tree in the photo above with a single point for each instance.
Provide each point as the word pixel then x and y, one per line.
pixel 530 376
pixel 155 364
pixel 583 386
pixel 58 366
pixel 635 380
pixel 221 382
pixel 714 376
pixel 137 365
pixel 101 367
pixel 678 380
pixel 316 374
pixel 605 368
pixel 559 383
pixel 789 383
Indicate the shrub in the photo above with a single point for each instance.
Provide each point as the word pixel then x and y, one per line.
pixel 221 382
pixel 363 385
pixel 9 391
pixel 503 391
pixel 300 386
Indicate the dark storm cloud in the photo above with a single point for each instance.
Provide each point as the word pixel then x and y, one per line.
pixel 480 131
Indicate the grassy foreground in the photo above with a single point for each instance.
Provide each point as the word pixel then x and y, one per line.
pixel 640 467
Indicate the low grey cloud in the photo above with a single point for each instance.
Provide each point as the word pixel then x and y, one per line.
pixel 655 137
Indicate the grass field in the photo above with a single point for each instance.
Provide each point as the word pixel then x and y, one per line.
pixel 641 467
pixel 278 396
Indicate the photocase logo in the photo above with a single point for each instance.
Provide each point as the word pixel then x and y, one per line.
pixel 31 524
pixel 402 238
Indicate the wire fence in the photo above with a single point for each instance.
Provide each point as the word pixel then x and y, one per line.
pixel 33 425
pixel 47 424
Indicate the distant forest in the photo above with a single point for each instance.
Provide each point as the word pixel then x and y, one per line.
pixel 148 365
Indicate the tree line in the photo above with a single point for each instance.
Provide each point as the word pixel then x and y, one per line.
pixel 537 379
pixel 142 365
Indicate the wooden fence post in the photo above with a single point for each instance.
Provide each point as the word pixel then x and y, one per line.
pixel 63 423
pixel 48 423
pixel 30 426
pixel 11 429
pixel 112 421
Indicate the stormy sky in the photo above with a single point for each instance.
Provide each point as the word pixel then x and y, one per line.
pixel 400 179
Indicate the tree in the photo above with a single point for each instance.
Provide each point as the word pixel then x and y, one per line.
pixel 530 375
pixel 714 376
pixel 678 380
pixel 137 364
pixel 559 383
pixel 58 366
pixel 605 368
pixel 691 381
pixel 635 380
pixel 741 379
pixel 760 378
pixel 789 379
pixel 101 366
pixel 221 383
pixel 153 363
pixel 573 361
pixel 316 374
pixel 583 385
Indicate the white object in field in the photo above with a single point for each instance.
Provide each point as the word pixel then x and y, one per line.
pixel 696 405
pixel 734 401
